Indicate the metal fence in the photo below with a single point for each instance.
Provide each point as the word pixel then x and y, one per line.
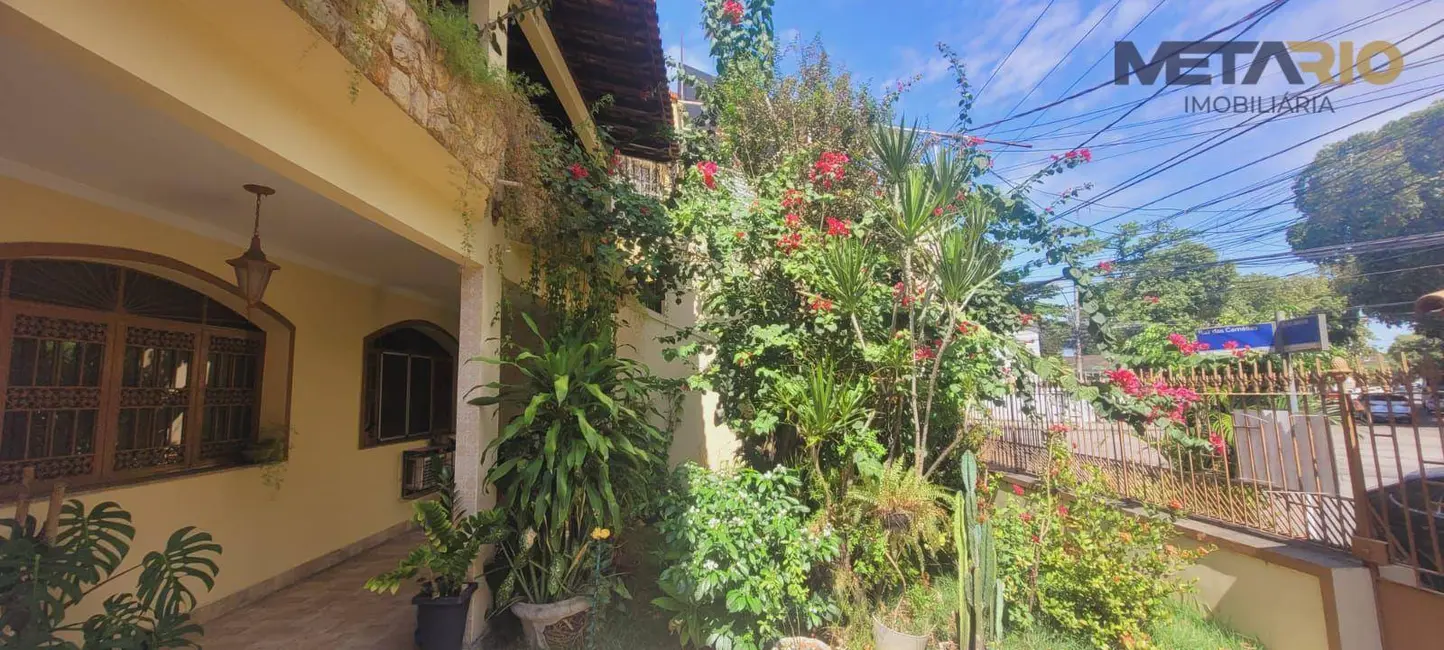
pixel 1350 460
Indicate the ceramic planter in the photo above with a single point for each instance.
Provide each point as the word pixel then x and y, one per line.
pixel 886 638
pixel 535 619
pixel 441 622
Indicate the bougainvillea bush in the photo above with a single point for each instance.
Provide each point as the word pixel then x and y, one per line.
pixel 1073 559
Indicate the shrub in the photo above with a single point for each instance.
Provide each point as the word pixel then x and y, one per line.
pixel 1084 564
pixel 740 557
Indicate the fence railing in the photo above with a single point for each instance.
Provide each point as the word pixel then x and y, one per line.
pixel 1350 460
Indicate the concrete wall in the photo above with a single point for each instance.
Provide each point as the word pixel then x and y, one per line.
pixel 333 493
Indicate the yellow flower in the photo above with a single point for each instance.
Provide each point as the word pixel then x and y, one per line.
pixel 601 533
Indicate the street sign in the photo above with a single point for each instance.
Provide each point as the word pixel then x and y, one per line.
pixel 1303 333
pixel 1258 336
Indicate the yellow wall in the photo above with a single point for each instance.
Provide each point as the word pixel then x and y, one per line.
pixel 1282 607
pixel 333 493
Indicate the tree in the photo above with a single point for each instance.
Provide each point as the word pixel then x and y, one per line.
pixel 1383 183
pixel 1163 278
pixel 1419 351
pixel 1257 297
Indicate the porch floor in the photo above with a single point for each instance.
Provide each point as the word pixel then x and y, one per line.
pixel 327 610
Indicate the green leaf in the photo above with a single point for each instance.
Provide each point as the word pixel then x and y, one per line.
pixel 561 388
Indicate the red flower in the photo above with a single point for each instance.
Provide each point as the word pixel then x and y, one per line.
pixel 818 303
pixel 732 10
pixel 1063 510
pixel 1059 428
pixel 1086 153
pixel 709 173
pixel 1035 537
pixel 938 211
pixel 1027 516
pixel 1175 504
pixel 837 228
pixel 925 353
pixel 1216 441
pixel 1017 489
pixel 1106 266
pixel 614 162
pixel 828 169
pixel 792 199
pixel 1026 319
pixel 790 242
pixel 1125 380
pixel 906 301
pixel 740 235
pixel 971 141
pixel 1152 300
pixel 792 221
pixel 578 171
pixel 967 327
pixel 1230 345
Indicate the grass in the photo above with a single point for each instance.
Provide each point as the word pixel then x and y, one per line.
pixel 1185 628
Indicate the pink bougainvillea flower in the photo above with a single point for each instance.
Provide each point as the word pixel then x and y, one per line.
pixel 971 141
pixel 819 304
pixel 906 301
pixel 1216 441
pixel 1026 319
pixel 837 227
pixel 740 235
pixel 1059 428
pixel 732 10
pixel 1106 266
pixel 578 172
pixel 967 327
pixel 789 243
pixel 792 199
pixel 792 221
pixel 1125 380
pixel 1017 489
pixel 709 173
pixel 1086 154
pixel 1152 300
pixel 1230 345
pixel 1063 510
pixel 1026 516
pixel 925 353
pixel 1035 537
pixel 938 211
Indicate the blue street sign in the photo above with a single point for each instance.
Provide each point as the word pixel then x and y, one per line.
pixel 1304 333
pixel 1258 336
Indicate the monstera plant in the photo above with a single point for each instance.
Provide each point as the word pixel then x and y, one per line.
pixel 47 569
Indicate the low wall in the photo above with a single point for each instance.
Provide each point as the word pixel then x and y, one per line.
pixel 1290 596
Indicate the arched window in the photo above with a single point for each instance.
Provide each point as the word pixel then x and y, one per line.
pixel 409 377
pixel 113 374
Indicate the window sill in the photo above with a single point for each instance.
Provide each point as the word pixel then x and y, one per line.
pixel 40 490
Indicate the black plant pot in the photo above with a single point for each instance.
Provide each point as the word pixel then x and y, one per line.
pixel 441 622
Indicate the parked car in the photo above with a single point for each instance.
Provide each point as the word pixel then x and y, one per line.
pixel 1383 407
pixel 1418 529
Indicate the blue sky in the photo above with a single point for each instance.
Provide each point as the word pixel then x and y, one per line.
pixel 884 41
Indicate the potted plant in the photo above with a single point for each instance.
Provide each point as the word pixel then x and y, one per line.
pixel 570 467
pixel 898 628
pixel 442 565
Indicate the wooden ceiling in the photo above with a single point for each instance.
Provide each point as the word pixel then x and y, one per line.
pixel 614 47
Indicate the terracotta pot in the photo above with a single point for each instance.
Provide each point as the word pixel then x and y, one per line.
pixel 536 618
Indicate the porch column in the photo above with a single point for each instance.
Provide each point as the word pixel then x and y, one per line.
pixel 476 427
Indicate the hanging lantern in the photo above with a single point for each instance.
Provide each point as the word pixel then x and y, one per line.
pixel 253 270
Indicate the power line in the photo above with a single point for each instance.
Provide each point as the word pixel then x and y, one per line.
pixel 1004 62
pixel 1265 9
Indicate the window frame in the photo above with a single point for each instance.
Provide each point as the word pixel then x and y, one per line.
pixel 372 370
pixel 106 434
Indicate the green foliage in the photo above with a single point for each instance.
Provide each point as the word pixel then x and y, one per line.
pixel 1421 352
pixel 980 596
pixel 1377 184
pixel 905 513
pixel 442 564
pixel 741 557
pixel 41 579
pixel 1085 565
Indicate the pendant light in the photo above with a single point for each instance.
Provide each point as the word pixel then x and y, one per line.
pixel 253 270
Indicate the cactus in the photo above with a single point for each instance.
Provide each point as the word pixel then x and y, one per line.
pixel 980 592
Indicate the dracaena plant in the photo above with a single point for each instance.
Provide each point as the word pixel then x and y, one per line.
pixel 453 540
pixel 583 448
pixel 43 576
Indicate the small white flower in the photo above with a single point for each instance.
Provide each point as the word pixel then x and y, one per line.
pixel 709 565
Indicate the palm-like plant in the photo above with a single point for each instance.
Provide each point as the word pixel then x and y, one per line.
pixel 583 443
pixel 453 541
pixel 823 404
pixel 42 577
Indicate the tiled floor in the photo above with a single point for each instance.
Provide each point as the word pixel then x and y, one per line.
pixel 328 611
